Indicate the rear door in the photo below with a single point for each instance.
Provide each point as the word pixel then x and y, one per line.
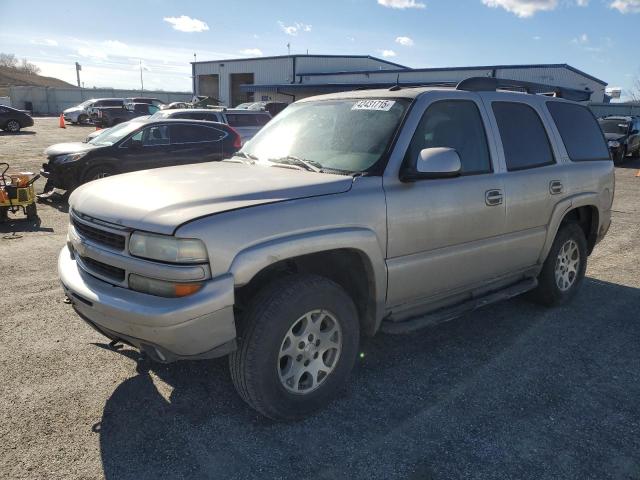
pixel 194 143
pixel 534 181
pixel 148 148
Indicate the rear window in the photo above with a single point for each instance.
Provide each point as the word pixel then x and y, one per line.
pixel 524 138
pixel 187 133
pixel 242 120
pixel 580 132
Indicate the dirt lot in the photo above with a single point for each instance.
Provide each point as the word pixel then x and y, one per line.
pixel 512 391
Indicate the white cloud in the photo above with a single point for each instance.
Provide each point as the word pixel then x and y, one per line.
pixel 581 40
pixel 405 41
pixel 187 24
pixel 387 53
pixel 523 8
pixel 114 44
pixel 94 53
pixel 626 6
pixel 582 3
pixel 254 52
pixel 401 4
pixel 537 37
pixel 294 29
pixel 47 42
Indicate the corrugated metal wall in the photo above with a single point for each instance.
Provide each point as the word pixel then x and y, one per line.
pixel 53 100
pixel 602 109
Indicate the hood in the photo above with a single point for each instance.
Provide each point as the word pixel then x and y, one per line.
pixel 73 109
pixel 614 136
pixel 66 148
pixel 162 199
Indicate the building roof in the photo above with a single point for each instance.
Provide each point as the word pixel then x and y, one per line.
pixel 226 60
pixel 453 69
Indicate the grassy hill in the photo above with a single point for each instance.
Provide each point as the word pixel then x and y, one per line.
pixel 11 77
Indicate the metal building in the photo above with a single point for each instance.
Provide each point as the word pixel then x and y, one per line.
pixel 292 77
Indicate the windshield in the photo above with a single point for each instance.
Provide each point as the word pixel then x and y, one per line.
pixel 115 134
pixel 349 135
pixel 614 126
pixel 86 104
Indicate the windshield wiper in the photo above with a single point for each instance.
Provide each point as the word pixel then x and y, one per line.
pixel 301 162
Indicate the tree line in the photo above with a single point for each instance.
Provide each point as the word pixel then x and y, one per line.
pixel 9 60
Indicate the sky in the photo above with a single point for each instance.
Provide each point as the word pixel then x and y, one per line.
pixel 110 39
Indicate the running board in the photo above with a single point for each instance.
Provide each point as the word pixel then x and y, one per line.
pixel 446 314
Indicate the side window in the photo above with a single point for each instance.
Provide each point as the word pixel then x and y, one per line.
pixel 455 124
pixel 241 120
pixel 112 103
pixel 580 131
pixel 524 138
pixel 185 133
pixel 152 109
pixel 262 119
pixel 156 135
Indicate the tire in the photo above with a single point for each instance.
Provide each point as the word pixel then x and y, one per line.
pixel 622 153
pixel 97 172
pixel 286 315
pixel 31 211
pixel 12 126
pixel 569 243
pixel 82 119
pixel 636 153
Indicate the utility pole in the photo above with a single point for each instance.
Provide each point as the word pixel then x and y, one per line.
pixel 141 81
pixel 78 68
pixel 289 48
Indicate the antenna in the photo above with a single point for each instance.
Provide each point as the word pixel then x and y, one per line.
pixel 397 85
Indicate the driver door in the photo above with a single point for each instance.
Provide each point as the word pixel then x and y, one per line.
pixel 444 234
pixel 148 148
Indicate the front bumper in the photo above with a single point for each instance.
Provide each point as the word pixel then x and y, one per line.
pixel 71 116
pixel 57 177
pixel 167 329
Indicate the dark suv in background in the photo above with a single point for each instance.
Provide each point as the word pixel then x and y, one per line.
pixel 623 136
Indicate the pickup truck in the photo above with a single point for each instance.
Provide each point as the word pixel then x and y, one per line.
pixel 106 117
pixel 346 215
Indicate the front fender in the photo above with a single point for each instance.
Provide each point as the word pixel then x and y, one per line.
pixel 250 261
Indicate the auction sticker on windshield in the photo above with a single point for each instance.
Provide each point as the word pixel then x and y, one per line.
pixel 383 105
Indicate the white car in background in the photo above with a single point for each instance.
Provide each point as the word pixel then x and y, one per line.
pixel 80 113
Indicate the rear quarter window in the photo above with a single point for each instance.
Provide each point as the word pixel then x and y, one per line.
pixel 241 120
pixel 580 132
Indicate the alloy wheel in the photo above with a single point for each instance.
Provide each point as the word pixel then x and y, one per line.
pixel 309 352
pixel 13 126
pixel 567 265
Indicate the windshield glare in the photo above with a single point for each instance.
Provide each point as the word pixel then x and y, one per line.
pixel 349 135
pixel 115 134
pixel 614 126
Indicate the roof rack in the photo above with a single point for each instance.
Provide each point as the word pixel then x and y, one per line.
pixel 492 84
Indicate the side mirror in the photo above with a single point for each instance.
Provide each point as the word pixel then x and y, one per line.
pixel 438 162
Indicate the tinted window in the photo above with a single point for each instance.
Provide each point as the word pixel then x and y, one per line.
pixel 262 119
pixel 579 130
pixel 112 103
pixel 524 138
pixel 211 117
pixel 156 135
pixel 241 120
pixel 186 133
pixel 455 124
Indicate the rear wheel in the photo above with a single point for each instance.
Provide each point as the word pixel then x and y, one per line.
pixel 97 172
pixel 298 344
pixel 12 126
pixel 564 268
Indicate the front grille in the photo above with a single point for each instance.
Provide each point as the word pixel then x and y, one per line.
pixel 97 235
pixel 103 269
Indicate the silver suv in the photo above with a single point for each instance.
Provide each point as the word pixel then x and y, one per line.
pixel 348 214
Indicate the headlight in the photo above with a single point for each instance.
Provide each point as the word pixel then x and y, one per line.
pixel 614 143
pixel 72 157
pixel 162 288
pixel 167 249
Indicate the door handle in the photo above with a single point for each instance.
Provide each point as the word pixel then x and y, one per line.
pixel 493 197
pixel 555 187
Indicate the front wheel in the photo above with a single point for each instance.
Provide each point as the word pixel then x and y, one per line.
pixel 620 156
pixel 97 172
pixel 564 268
pixel 298 344
pixel 12 126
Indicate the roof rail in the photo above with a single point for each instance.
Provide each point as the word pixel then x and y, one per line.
pixel 492 84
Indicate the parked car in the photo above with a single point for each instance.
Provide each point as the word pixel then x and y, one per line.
pixel 13 120
pixel 347 214
pixel 174 105
pixel 273 108
pixel 623 136
pixel 137 145
pixel 247 123
pixel 106 117
pixel 94 104
pixel 150 100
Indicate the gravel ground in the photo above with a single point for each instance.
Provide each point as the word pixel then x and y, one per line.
pixel 512 391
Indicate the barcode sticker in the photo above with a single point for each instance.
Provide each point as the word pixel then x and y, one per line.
pixel 382 105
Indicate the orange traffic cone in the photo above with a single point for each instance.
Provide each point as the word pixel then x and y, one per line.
pixel 61 121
